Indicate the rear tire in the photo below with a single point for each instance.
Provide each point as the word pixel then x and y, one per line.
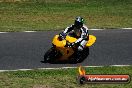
pixel 85 53
pixel 79 56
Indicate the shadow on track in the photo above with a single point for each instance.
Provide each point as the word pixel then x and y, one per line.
pixel 61 62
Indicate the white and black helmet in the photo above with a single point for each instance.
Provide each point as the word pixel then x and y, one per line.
pixel 79 21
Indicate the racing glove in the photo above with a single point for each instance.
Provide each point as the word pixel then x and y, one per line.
pixel 62 35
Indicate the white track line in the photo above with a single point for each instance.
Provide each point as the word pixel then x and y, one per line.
pixel 7 70
pixel 89 29
pixel 120 65
pixel 96 29
pixel 61 68
pixel 3 32
pixel 126 28
pixel 30 31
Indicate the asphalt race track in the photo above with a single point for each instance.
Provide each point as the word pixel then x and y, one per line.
pixel 23 50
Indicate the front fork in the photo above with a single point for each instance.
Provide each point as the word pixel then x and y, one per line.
pixel 58 54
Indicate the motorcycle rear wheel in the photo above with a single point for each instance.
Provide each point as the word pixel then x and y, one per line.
pixel 79 56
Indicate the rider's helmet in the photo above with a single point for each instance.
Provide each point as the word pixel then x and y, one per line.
pixel 79 22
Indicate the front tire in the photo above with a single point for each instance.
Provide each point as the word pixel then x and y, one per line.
pixel 50 55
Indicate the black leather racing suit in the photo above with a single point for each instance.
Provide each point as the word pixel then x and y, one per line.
pixel 81 34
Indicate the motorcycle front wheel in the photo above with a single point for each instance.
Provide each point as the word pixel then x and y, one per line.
pixel 50 56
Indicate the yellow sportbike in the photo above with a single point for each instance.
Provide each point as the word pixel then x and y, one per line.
pixel 61 51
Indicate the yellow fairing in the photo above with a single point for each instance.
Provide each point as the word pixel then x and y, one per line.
pixel 91 41
pixel 57 42
pixel 71 40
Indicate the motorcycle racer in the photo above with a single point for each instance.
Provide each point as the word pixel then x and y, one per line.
pixel 71 45
pixel 78 30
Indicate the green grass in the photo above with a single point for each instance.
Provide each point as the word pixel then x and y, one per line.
pixel 57 14
pixel 62 78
